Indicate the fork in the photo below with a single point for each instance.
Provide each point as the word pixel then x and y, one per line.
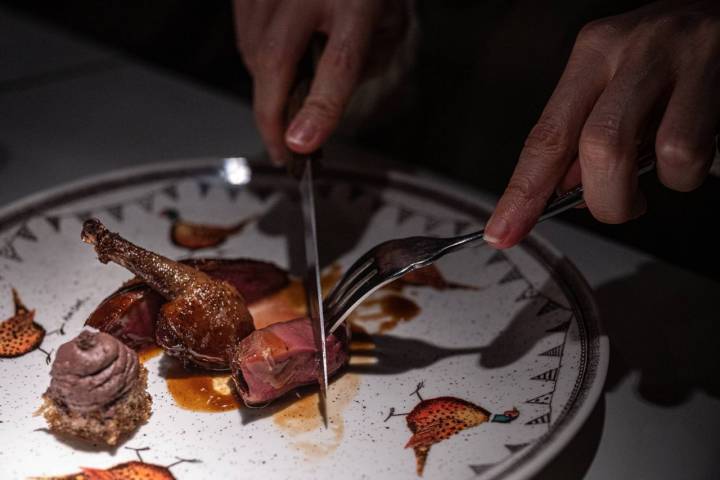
pixel 394 258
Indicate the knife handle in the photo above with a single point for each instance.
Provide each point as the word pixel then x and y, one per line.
pixel 297 96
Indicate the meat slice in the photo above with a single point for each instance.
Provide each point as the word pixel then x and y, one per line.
pixel 254 279
pixel 201 319
pixel 130 314
pixel 271 361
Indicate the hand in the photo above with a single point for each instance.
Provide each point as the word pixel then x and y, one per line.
pixel 649 75
pixel 273 35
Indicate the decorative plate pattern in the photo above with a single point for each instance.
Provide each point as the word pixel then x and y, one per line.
pixel 484 368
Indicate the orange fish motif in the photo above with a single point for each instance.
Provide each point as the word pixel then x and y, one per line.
pixel 438 419
pixel 195 236
pixel 19 334
pixel 125 471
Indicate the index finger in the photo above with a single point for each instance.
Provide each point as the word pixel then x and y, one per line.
pixel 337 74
pixel 549 149
pixel 277 56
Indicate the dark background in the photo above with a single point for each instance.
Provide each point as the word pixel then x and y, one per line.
pixel 484 72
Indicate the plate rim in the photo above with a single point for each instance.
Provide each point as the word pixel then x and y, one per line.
pixel 574 285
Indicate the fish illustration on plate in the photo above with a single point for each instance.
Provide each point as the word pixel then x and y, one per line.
pixel 125 471
pixel 434 420
pixel 20 334
pixel 195 236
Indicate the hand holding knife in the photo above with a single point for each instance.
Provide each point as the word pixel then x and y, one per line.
pixel 301 167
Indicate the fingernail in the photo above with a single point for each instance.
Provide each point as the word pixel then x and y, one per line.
pixel 302 132
pixel 496 230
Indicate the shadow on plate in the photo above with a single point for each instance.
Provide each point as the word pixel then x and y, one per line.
pixel 81 445
pixel 575 459
pixel 392 355
pixel 663 322
pixel 343 214
pixel 527 327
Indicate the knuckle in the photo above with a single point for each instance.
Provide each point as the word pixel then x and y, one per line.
pixel 678 152
pixel 326 109
pixel 675 22
pixel 521 188
pixel 344 56
pixel 547 138
pixel 270 57
pixel 597 33
pixel 601 145
pixel 680 26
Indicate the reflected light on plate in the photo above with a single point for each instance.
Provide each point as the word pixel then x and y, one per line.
pixel 236 170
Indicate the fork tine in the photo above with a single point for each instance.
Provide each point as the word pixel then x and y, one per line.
pixel 359 293
pixel 357 269
pixel 341 300
pixel 360 280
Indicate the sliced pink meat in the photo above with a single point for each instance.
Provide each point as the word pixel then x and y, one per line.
pixel 271 361
pixel 129 315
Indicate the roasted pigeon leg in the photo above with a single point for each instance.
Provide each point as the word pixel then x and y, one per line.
pixel 202 318
pixel 130 313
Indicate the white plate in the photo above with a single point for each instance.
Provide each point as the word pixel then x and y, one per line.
pixel 526 336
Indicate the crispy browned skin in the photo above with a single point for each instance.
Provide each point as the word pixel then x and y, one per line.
pixel 202 318
pixel 130 313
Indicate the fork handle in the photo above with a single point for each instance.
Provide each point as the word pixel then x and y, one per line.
pixel 559 204
pixel 574 197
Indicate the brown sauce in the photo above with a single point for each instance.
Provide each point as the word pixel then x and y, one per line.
pixel 204 392
pixel 302 422
pixel 290 302
pixel 147 353
pixel 207 392
pixel 388 309
pixel 295 292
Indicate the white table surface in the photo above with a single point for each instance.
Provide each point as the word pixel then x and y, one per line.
pixel 69 108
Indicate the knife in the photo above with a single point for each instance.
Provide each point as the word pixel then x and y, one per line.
pixel 301 167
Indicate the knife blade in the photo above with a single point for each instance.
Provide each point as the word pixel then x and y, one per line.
pixel 301 167
pixel 312 282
